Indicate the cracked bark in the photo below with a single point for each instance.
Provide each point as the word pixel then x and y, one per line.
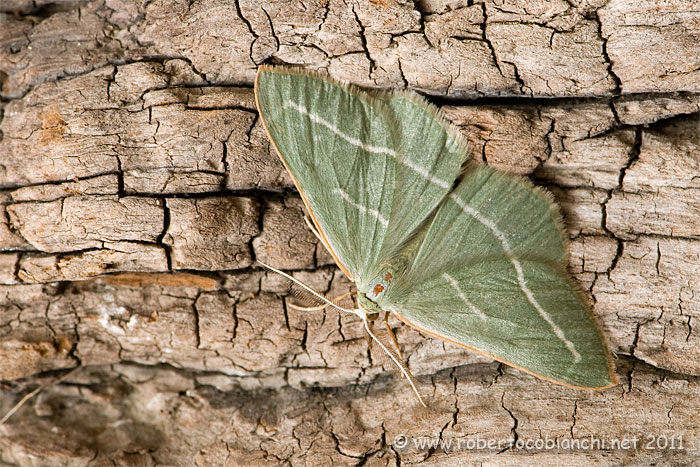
pixel 137 187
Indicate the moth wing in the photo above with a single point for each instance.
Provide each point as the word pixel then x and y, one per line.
pixel 484 308
pixel 352 155
pixel 489 214
pixel 488 273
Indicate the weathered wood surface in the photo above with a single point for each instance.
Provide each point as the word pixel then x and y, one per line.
pixel 137 186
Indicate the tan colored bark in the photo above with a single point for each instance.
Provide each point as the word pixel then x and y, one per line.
pixel 137 187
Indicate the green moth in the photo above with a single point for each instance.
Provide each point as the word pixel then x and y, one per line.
pixel 471 255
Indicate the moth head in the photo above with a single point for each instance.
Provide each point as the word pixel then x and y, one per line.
pixel 367 304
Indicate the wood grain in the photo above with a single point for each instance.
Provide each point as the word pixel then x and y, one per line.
pixel 137 187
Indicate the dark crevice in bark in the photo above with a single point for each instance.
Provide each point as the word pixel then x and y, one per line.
pixel 161 237
pixel 121 193
pixel 514 428
pixel 616 79
pixel 634 156
pixel 197 328
pixel 262 202
pixel 9 188
pixel 38 13
pixel 365 48
pixel 573 420
pixel 422 9
pixel 487 41
pixel 272 30
pixel 237 4
pixel 144 58
pixel 2 109
pixel 17 266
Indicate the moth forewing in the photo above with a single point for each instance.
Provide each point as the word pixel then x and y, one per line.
pixel 317 230
pixel 346 151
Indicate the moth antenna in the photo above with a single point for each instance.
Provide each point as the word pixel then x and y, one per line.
pixel 402 366
pixel 307 288
pixel 378 353
pixel 304 299
pixel 311 303
pixel 363 315
pixel 306 308
pixel 392 336
pixel 345 299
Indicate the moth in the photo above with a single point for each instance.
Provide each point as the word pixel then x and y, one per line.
pixel 457 250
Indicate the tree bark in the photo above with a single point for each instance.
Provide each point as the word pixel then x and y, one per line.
pixel 137 187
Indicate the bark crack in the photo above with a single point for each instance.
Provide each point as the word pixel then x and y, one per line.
pixel 237 4
pixel 487 41
pixel 573 419
pixel 363 40
pixel 166 227
pixel 604 50
pixel 514 428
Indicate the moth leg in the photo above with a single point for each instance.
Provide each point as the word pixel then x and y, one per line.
pixel 311 227
pixel 392 355
pixel 378 335
pixel 392 335
pixel 368 335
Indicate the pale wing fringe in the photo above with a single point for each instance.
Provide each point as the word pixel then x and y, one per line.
pixel 311 227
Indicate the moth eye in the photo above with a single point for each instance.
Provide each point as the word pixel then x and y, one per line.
pixel 379 288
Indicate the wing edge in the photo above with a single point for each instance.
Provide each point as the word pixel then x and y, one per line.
pixel 611 368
